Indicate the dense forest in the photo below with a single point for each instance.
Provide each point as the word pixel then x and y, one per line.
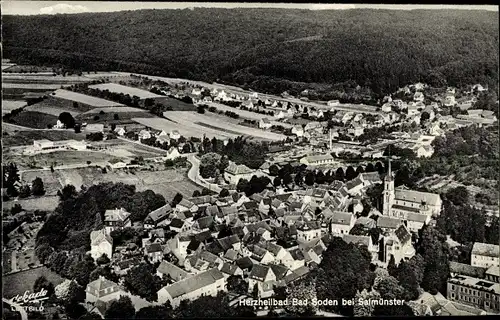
pixel 338 52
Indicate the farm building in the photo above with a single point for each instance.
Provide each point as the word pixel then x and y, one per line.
pixel 322 159
pixel 234 173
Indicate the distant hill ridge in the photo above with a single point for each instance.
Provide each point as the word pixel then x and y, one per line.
pixel 270 50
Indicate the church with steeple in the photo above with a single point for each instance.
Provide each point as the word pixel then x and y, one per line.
pixel 408 204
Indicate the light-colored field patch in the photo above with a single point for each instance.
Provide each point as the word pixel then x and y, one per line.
pixel 51 181
pixel 46 203
pixel 114 87
pixel 85 99
pixel 120 152
pixel 102 75
pixel 242 113
pixel 42 78
pixel 50 110
pixel 195 119
pixel 191 130
pixel 71 177
pixel 9 105
pixel 115 110
pixel 60 158
pixel 44 86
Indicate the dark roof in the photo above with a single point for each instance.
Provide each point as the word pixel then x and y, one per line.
pixel 205 222
pixel 259 272
pixel 159 214
pixel 212 210
pixel 229 268
pixel 239 231
pixel 250 205
pixel 405 208
pixel 203 236
pixel 297 254
pixel 388 222
pixel 403 235
pixel 296 274
pixel 176 223
pixel 227 242
pixel 215 248
pixel 193 245
pixel 467 269
pixel 279 270
pixel 154 247
pixel 244 263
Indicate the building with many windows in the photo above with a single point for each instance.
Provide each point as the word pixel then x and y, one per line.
pixel 485 255
pixel 475 292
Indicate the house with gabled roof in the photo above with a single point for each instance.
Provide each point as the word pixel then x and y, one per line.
pixel 342 222
pixel 203 224
pixel 207 283
pixel 485 255
pixel 231 269
pixel 309 230
pixel 116 219
pixel 158 217
pixel 203 201
pixel 172 271
pixel 233 173
pixel 101 243
pixel 186 205
pixel 103 289
pixel 263 278
pixel 388 224
pixel 355 186
pixel 298 259
pixel 257 254
pixel 202 260
pixel 366 241
pixel 154 252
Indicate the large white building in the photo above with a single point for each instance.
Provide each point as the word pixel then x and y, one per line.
pixel 100 243
pixel 233 173
pixel 207 283
pixel 485 255
pixel 400 202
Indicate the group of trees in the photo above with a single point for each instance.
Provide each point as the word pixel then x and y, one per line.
pixel 255 185
pixel 240 150
pixel 126 99
pixel 65 235
pixel 262 61
pixel 12 183
pixel 465 223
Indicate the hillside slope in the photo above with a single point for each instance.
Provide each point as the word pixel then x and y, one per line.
pixel 269 49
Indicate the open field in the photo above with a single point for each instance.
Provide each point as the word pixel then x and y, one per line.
pixel 9 105
pixel 85 99
pixel 187 131
pixel 50 180
pixel 114 87
pixel 34 119
pixel 20 282
pixel 166 183
pixel 175 104
pixel 20 138
pixel 15 68
pixel 242 113
pixel 115 110
pixel 50 110
pixel 102 74
pixel 60 158
pixel 197 119
pixel 30 86
pixel 46 203
pixel 43 78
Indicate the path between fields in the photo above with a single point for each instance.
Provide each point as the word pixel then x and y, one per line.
pixel 194 175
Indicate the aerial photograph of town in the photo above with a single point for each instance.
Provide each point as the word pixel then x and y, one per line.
pixel 239 160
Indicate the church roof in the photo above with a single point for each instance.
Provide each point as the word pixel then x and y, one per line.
pixel 416 196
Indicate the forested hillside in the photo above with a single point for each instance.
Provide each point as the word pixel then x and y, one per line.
pixel 270 49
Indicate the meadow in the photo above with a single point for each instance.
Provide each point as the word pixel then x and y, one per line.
pixel 85 99
pixel 34 119
pixel 118 88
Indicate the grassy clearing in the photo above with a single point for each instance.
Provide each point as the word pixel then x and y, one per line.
pixel 46 203
pixel 34 119
pixel 175 104
pixel 21 138
pixel 186 131
pixel 9 105
pixel 20 282
pixel 114 87
pixel 85 99
pixel 50 180
pixel 50 110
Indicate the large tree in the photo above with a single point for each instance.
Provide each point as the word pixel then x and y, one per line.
pixel 67 119
pixel 120 309
pixel 143 281
pixel 343 271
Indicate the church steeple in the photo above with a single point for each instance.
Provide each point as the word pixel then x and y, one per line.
pixel 389 193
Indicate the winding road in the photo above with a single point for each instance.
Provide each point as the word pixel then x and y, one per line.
pixel 194 175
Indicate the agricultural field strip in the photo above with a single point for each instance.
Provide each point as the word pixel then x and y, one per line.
pixel 118 88
pixel 45 86
pixel 85 99
pixel 50 110
pixel 42 78
pixel 9 105
pixel 115 109
pixel 187 131
pixel 183 117
pixel 242 113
